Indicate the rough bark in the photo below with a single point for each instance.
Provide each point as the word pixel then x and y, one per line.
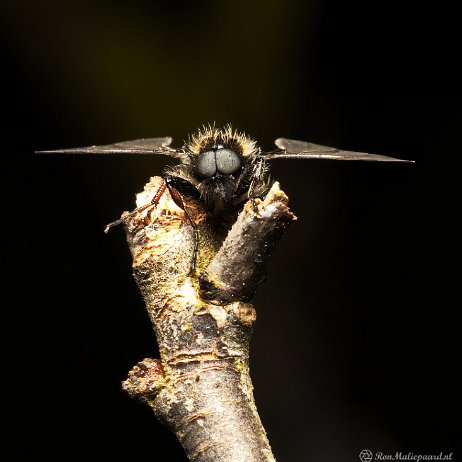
pixel 201 387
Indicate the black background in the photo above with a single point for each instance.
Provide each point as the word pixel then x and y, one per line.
pixel 356 342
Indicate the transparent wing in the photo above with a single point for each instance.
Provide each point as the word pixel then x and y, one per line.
pixel 293 149
pixel 141 146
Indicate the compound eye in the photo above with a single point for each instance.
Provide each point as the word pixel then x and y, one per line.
pixel 228 162
pixel 206 166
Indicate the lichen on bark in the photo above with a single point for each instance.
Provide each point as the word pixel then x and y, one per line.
pixel 201 386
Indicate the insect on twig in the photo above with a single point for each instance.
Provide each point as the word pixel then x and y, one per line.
pixel 219 167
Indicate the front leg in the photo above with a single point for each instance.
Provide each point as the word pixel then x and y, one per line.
pixel 255 183
pixel 257 179
pixel 179 189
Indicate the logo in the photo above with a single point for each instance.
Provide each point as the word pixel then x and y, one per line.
pixel 365 455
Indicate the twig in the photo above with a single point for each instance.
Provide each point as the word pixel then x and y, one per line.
pixel 201 387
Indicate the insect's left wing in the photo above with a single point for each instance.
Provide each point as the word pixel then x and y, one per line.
pixel 293 149
pixel 141 146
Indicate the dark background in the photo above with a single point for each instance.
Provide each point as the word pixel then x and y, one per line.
pixel 356 343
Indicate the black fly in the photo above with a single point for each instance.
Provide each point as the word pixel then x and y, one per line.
pixel 219 167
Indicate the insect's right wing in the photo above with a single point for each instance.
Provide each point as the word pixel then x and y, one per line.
pixel 293 149
pixel 141 146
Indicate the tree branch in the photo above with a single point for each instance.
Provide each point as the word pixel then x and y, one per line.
pixel 201 387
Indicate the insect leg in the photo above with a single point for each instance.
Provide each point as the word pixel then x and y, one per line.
pixel 178 187
pixel 154 201
pixel 257 176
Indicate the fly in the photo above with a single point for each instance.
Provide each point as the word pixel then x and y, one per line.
pixel 219 167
